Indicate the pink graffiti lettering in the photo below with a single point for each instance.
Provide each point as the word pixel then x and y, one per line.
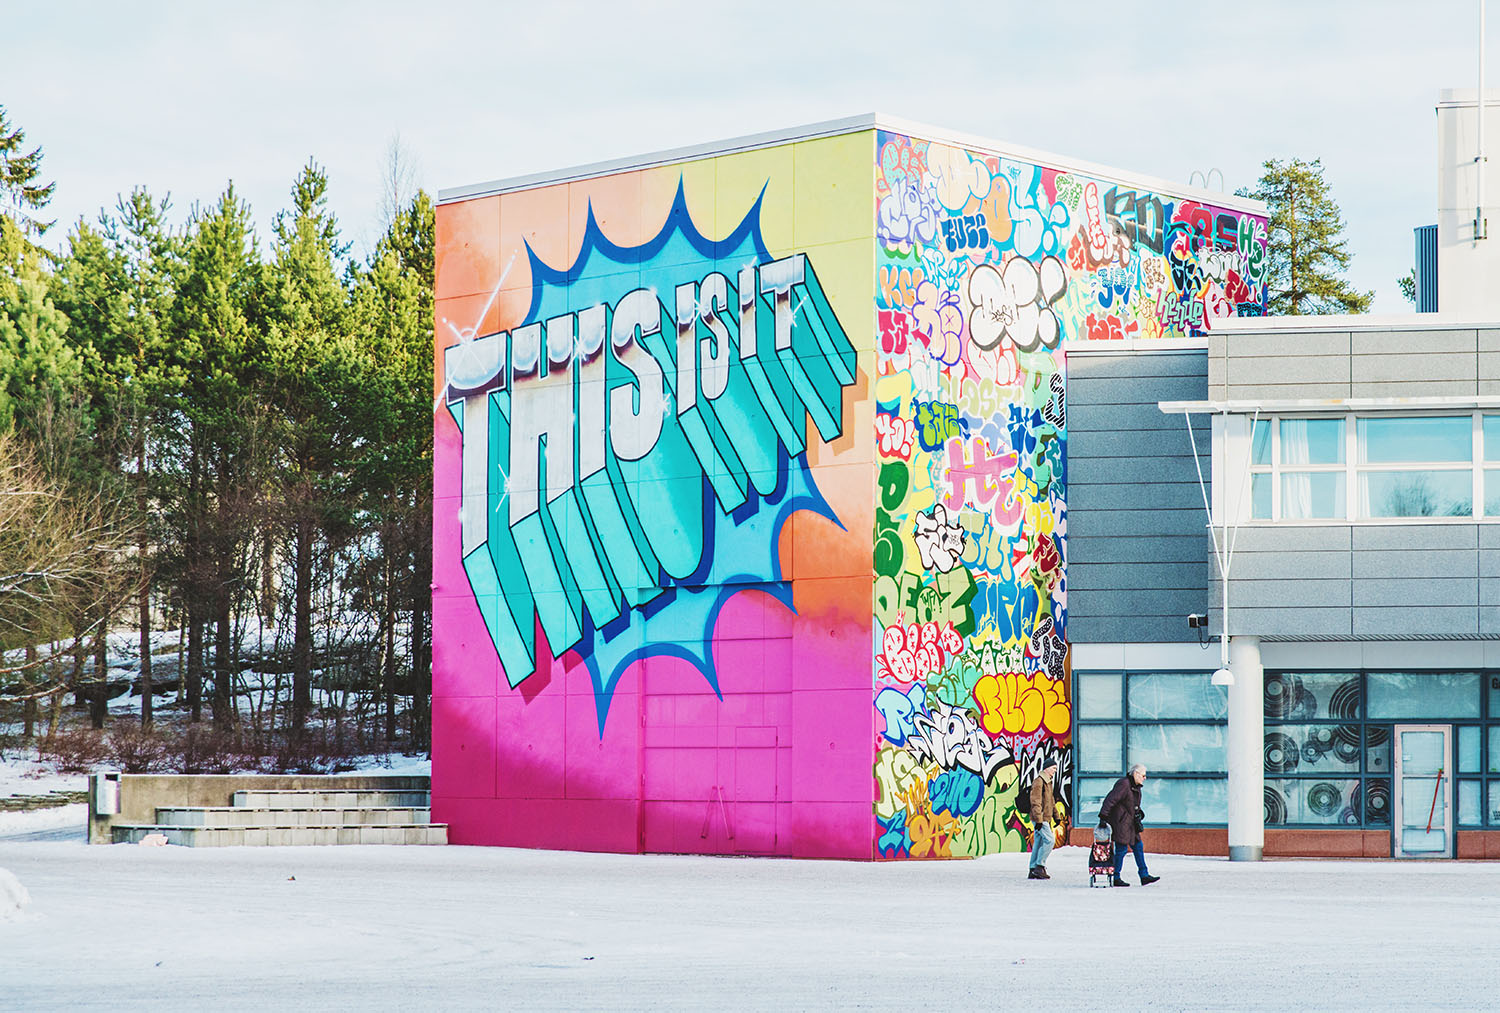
pixel 913 652
pixel 895 435
pixel 981 479
pixel 1098 237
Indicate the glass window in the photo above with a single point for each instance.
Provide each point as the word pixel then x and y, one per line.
pixel 1312 441
pixel 1492 438
pixel 1168 800
pixel 1098 748
pixel 1377 798
pixel 1468 804
pixel 1260 443
pixel 1494 749
pixel 1406 695
pixel 1468 749
pixel 1260 496
pixel 1177 747
pixel 1416 494
pixel 1099 696
pixel 1491 492
pixel 1400 440
pixel 1091 792
pixel 1319 801
pixel 1176 695
pixel 1377 749
pixel 1494 697
pixel 1310 696
pixel 1494 805
pixel 1309 494
pixel 1312 749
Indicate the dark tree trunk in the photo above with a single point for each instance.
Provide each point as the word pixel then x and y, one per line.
pixel 389 647
pixel 145 603
pixel 223 701
pixel 99 698
pixel 194 674
pixel 302 630
pixel 146 687
pixel 29 709
pixel 421 626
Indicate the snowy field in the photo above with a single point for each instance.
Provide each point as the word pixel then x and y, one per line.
pixel 443 928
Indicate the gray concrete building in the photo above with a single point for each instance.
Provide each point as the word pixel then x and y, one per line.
pixel 1351 466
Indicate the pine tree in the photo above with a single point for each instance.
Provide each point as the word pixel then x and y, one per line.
pixel 21 192
pixel 118 287
pixel 220 464
pixel 393 307
pixel 1408 283
pixel 314 369
pixel 1306 246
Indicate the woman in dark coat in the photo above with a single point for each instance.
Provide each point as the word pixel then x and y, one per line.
pixel 1122 811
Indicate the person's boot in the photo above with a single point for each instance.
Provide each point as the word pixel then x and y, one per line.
pixel 1033 874
pixel 1117 881
pixel 1041 872
pixel 1148 880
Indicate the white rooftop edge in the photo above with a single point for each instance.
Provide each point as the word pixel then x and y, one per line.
pixel 1357 322
pixel 850 125
pixel 1331 404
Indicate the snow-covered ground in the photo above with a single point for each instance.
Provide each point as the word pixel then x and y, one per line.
pixel 21 773
pixel 310 928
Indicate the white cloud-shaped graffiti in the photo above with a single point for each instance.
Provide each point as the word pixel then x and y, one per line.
pixel 908 214
pixel 1015 302
pixel 940 542
pixel 957 176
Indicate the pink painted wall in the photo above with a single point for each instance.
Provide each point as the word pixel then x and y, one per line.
pixel 702 683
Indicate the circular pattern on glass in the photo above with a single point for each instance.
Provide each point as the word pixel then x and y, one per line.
pixel 1324 799
pixel 1280 691
pixel 1343 703
pixel 1378 801
pixel 1275 806
pixel 1282 756
pixel 1346 751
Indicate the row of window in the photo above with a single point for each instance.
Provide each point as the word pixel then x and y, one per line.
pixel 1349 467
pixel 1327 742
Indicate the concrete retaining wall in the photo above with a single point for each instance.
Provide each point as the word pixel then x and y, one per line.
pixel 141 794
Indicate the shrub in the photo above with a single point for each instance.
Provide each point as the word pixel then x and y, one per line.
pixel 137 750
pixel 75 750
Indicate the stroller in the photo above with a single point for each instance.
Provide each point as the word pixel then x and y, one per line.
pixel 1102 857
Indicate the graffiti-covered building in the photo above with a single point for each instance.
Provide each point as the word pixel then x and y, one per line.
pixel 753 483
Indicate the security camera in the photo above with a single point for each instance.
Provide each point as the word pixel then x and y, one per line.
pixel 1197 621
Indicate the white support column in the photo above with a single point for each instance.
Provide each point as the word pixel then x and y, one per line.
pixel 1247 733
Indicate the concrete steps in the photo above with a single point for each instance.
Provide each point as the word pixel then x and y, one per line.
pixel 290 817
pixel 316 798
pixel 269 836
pixel 243 816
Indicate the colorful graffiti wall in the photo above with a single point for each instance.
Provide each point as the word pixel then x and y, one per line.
pixel 987 270
pixel 653 467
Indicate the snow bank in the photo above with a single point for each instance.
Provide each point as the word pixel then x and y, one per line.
pixel 13 897
pixel 33 821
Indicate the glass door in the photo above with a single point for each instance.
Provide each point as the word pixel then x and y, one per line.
pixel 1424 789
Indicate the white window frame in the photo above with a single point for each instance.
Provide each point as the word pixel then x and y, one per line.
pixel 1480 469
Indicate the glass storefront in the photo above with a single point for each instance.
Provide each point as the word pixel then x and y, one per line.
pixel 1327 743
pixel 1173 722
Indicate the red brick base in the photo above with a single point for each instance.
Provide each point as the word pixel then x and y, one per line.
pixel 1295 843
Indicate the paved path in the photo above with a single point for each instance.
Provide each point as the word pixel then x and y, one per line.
pixel 387 928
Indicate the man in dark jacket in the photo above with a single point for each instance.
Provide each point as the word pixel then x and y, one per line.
pixel 1122 811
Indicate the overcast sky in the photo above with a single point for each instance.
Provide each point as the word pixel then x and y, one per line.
pixel 184 97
